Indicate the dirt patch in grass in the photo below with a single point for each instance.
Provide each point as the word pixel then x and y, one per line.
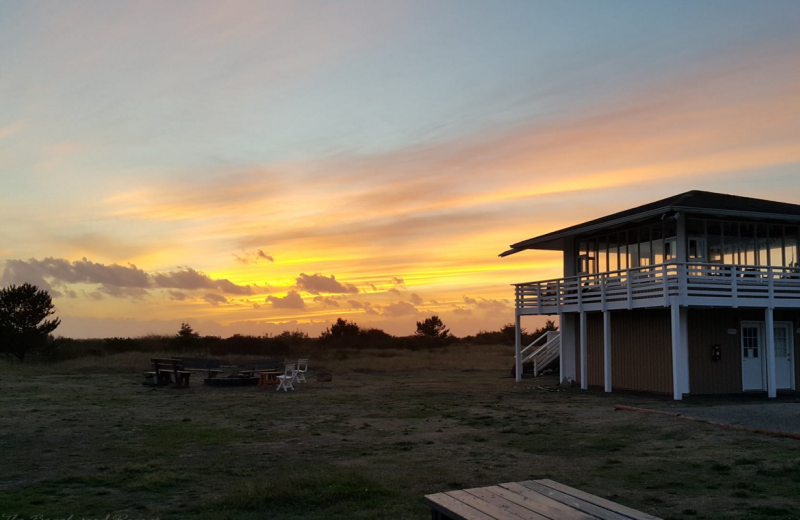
pixel 368 445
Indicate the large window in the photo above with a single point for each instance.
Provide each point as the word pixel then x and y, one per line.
pixel 708 240
pixel 639 247
pixel 745 243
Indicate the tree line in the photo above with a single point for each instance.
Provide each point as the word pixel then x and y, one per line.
pixel 26 330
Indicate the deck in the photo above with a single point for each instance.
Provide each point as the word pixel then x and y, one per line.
pixel 688 284
pixel 528 500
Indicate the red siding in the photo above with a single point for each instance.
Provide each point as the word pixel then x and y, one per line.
pixel 641 350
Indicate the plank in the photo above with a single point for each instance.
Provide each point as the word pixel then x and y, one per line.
pixel 543 505
pixel 489 495
pixel 496 512
pixel 602 502
pixel 575 503
pixel 454 508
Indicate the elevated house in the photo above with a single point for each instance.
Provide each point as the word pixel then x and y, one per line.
pixel 694 294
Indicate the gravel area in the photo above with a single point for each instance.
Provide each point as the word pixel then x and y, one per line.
pixel 783 417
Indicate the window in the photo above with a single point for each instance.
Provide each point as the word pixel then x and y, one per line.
pixel 747 244
pixel 670 249
pixel 750 342
pixel 585 264
pixel 697 249
pixel 644 247
pixel 781 342
pixel 791 249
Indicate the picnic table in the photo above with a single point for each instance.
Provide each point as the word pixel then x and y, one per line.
pixel 264 365
pixel 268 377
pixel 210 366
pixel 529 500
pixel 167 369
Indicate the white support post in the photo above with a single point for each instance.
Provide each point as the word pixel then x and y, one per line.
pixel 677 366
pixel 771 380
pixel 607 350
pixel 517 350
pixel 684 311
pixel 584 353
pixel 561 349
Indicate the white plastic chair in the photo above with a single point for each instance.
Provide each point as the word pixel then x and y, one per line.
pixel 302 368
pixel 288 377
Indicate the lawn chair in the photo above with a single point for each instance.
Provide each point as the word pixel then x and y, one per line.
pixel 288 377
pixel 302 368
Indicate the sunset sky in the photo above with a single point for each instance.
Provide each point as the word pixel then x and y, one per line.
pixel 259 166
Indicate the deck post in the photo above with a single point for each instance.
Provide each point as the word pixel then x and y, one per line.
pixel 771 379
pixel 584 349
pixel 607 350
pixel 677 365
pixel 518 350
pixel 684 312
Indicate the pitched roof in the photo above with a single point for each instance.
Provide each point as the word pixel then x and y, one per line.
pixel 691 202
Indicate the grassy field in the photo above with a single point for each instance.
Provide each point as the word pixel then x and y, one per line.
pixel 85 438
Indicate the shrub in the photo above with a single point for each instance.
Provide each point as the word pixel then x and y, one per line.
pixel 340 330
pixel 432 328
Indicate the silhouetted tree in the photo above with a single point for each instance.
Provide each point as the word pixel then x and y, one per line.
pixel 340 330
pixel 508 333
pixel 186 338
pixel 24 328
pixel 432 328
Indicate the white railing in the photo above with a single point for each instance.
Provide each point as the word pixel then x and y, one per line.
pixel 549 349
pixel 659 285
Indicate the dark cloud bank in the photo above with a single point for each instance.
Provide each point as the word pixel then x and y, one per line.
pixel 119 281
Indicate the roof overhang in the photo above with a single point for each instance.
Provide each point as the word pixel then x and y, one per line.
pixel 557 240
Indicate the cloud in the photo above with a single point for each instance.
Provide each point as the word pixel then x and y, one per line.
pixel 95 295
pixel 493 306
pixel 135 293
pixel 395 291
pixel 462 312
pixel 119 281
pixel 317 283
pixel 415 299
pixel 366 306
pixel 399 309
pixel 79 271
pixel 253 257
pixel 176 295
pixel 215 299
pixel 326 301
pixel 60 271
pixel 292 300
pixel 490 306
pixel 399 282
pixel 190 279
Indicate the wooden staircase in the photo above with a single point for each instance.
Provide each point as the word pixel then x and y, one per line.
pixel 542 353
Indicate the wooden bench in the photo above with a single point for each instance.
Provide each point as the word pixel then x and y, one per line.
pixel 167 369
pixel 528 500
pixel 210 366
pixel 263 365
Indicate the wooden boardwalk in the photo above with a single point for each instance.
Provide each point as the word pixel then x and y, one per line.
pixel 528 500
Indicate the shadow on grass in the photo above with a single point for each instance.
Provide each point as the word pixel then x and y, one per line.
pixel 322 493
